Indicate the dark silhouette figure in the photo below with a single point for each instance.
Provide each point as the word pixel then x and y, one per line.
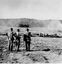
pixel 11 40
pixel 27 39
pixel 18 39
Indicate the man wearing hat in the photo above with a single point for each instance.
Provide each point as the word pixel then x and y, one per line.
pixel 27 39
pixel 11 39
pixel 18 39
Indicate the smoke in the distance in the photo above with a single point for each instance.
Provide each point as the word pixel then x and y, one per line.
pixel 55 25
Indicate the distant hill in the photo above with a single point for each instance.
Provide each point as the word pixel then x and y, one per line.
pixel 18 22
pixel 36 25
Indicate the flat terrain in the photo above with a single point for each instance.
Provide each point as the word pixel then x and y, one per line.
pixel 43 50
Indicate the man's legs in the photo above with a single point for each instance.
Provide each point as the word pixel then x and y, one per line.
pixel 28 46
pixel 11 46
pixel 18 46
pixel 10 43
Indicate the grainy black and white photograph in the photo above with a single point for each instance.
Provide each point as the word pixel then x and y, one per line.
pixel 30 31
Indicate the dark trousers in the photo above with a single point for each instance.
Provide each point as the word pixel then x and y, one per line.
pixel 11 46
pixel 27 46
pixel 18 45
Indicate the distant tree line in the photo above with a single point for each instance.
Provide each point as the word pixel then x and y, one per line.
pixel 23 25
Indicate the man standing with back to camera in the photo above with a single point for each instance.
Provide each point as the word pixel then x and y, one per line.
pixel 18 39
pixel 27 39
pixel 11 39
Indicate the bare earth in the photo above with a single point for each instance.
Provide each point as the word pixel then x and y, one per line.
pixel 43 50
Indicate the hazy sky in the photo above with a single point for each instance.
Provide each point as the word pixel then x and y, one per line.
pixel 39 9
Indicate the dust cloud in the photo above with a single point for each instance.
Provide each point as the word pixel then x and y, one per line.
pixel 55 25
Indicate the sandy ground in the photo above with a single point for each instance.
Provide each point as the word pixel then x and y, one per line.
pixel 34 57
pixel 43 50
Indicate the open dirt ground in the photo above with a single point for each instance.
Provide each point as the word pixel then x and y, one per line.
pixel 43 50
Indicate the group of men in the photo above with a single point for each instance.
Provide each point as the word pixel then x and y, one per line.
pixel 15 37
